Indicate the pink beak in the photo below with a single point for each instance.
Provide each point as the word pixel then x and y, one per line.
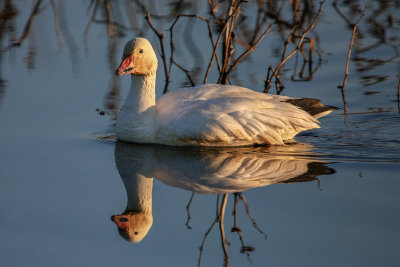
pixel 125 66
pixel 122 221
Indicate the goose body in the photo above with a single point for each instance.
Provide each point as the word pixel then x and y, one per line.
pixel 208 114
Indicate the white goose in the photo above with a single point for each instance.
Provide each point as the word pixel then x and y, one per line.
pixel 205 115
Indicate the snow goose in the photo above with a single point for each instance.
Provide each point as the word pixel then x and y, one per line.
pixel 208 114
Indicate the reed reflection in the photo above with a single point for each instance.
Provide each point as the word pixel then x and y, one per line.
pixel 207 171
pixel 296 43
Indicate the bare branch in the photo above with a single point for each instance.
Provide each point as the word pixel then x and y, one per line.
pixel 36 10
pixel 222 230
pixel 107 8
pixel 246 204
pixel 250 49
pixel 56 23
pixel 185 71
pixel 346 74
pixel 217 218
pixel 171 29
pixel 298 46
pixel 92 18
pixel 188 210
pixel 398 96
pixel 161 39
pixel 217 43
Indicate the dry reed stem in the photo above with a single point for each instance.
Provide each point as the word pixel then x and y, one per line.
pixel 188 210
pixel 398 96
pixel 269 78
pixel 28 26
pixel 212 11
pixel 302 38
pixel 334 4
pixel 204 240
pixel 227 51
pixel 298 46
pixel 237 230
pixel 250 49
pixel 346 74
pixel 217 43
pixel 172 45
pixel 92 18
pixel 228 48
pixel 277 75
pixel 187 73
pixel 56 23
pixel 163 56
pixel 217 218
pixel 306 61
pixel 107 11
pixel 222 230
pixel 253 221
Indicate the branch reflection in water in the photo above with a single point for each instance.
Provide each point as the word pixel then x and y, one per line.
pixel 219 171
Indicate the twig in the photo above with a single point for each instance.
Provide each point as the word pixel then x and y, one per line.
pixel 288 41
pixel 188 210
pixel 92 18
pixel 251 216
pixel 250 49
pixel 36 10
pixel 261 19
pixel 212 12
pixel 346 74
pixel 56 23
pixel 185 71
pixel 398 96
pixel 334 4
pixel 236 229
pixel 217 218
pixel 301 38
pixel 269 79
pixel 228 48
pixel 217 204
pixel 107 9
pixel 171 30
pixel 277 69
pixel 222 230
pixel 204 240
pixel 217 43
pixel 112 98
pixel 161 39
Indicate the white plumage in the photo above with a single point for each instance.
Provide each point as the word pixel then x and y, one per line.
pixel 205 115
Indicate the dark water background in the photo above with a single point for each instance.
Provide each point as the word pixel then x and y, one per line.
pixel 59 185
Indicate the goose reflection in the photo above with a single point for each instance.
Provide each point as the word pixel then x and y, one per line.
pixel 205 171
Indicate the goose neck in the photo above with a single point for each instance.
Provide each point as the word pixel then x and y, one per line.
pixel 139 193
pixel 142 94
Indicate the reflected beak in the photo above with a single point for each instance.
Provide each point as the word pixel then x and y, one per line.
pixel 125 67
pixel 122 221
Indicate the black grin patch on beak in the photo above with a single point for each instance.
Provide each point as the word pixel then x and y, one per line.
pixel 124 71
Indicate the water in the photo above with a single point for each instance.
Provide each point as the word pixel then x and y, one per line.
pixel 329 200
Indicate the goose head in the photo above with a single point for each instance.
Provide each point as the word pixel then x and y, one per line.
pixel 139 58
pixel 133 227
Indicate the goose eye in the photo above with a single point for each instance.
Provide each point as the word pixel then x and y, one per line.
pixel 141 51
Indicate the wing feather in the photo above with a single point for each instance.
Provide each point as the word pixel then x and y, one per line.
pixel 227 115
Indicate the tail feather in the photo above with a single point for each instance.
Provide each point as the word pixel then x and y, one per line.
pixel 312 106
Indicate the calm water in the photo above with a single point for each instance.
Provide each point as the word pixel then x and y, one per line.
pixel 332 199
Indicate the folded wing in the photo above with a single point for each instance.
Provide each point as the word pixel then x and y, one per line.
pixel 225 115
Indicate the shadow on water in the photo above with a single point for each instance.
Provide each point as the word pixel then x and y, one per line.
pixel 220 172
